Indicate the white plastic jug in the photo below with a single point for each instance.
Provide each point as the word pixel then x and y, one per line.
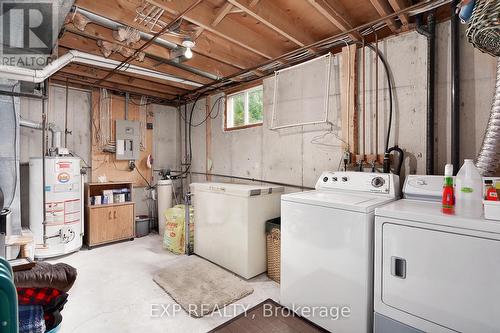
pixel 469 191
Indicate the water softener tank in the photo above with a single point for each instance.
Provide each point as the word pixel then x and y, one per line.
pixel 164 189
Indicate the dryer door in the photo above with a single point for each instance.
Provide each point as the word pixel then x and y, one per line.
pixel 449 279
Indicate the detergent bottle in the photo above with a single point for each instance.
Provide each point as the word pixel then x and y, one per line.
pixel 468 191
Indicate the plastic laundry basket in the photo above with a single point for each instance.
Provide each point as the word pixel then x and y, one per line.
pixel 273 248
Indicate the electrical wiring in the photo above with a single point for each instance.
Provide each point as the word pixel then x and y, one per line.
pixel 389 85
pixel 140 174
pixel 84 162
pixel 150 101
pixel 189 137
pixel 209 115
pixel 191 125
pixel 143 112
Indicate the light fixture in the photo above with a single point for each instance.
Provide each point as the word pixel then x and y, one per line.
pixel 188 53
pixel 188 43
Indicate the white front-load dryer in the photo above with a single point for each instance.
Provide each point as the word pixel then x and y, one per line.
pixel 434 272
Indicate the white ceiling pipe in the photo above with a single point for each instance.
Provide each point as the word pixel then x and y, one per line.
pixel 108 23
pixel 40 75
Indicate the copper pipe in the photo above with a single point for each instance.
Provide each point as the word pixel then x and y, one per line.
pixel 149 42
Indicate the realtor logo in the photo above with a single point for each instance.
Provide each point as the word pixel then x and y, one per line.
pixel 27 32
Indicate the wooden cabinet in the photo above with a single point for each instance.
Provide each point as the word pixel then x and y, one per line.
pixel 108 223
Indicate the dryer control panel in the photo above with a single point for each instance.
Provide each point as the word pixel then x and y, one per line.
pixel 383 183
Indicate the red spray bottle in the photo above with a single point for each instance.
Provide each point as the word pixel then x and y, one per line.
pixel 448 200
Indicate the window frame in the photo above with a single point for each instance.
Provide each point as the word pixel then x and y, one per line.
pixel 247 90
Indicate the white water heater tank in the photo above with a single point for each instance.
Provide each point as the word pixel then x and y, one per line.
pixel 164 189
pixel 63 204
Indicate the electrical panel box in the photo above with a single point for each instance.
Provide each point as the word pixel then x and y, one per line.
pixel 127 140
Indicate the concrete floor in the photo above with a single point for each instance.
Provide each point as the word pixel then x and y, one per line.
pixel 115 292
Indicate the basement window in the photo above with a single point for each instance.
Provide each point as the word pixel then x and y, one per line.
pixel 244 109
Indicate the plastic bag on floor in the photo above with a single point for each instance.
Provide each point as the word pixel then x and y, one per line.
pixel 175 220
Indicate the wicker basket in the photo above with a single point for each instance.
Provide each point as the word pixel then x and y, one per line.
pixel 484 27
pixel 273 244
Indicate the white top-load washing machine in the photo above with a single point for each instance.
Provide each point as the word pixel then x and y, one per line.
pixel 327 248
pixel 230 224
pixel 434 272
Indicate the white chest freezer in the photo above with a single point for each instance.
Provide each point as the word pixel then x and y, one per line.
pixel 230 224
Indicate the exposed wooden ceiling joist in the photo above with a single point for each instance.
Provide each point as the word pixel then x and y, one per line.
pixel 229 28
pixel 383 8
pixel 221 13
pixel 276 19
pixel 335 12
pixel 235 39
pixel 398 5
pixel 335 37
pixel 93 73
pixel 71 41
pixel 164 29
pixel 216 47
pixel 72 78
pixel 200 62
pixel 207 44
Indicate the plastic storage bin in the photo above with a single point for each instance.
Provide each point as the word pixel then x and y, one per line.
pixel 273 248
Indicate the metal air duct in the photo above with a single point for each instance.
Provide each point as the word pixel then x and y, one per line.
pixel 9 161
pixel 488 159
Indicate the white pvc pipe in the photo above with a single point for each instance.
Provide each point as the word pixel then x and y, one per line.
pixel 30 124
pixel 53 128
pixel 40 75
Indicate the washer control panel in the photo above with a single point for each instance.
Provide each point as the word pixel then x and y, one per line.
pixel 359 181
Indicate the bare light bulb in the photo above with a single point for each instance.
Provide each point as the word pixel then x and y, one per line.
pixel 188 53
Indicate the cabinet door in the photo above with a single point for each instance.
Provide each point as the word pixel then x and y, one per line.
pixel 99 219
pixel 122 225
